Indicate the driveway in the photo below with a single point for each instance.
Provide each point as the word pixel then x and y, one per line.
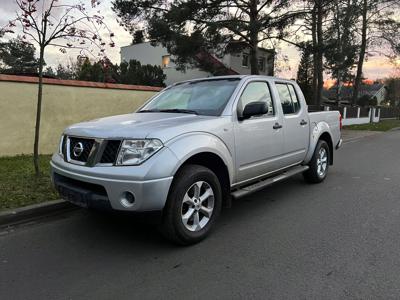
pixel 336 240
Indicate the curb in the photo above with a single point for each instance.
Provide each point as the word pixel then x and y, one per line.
pixel 26 213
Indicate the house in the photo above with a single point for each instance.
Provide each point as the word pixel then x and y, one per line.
pixel 230 64
pixel 376 90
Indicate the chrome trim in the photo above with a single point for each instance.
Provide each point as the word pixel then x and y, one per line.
pixel 60 146
pixel 92 155
pixel 96 153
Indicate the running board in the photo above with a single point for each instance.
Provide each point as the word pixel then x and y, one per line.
pixel 255 187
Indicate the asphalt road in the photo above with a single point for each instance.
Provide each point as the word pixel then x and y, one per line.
pixel 335 240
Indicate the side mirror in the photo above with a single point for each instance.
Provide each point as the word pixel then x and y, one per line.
pixel 254 109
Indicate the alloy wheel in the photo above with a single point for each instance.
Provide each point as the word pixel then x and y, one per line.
pixel 197 206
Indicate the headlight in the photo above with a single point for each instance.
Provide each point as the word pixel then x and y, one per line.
pixel 134 152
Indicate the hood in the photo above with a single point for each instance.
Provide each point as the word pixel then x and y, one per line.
pixel 137 125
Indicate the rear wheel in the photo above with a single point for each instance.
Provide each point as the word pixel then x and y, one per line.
pixel 319 163
pixel 193 205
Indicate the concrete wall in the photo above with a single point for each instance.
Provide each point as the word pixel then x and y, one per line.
pixel 64 103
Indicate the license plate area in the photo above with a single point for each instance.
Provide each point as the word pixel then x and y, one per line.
pixel 75 197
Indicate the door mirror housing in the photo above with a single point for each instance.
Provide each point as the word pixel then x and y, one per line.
pixel 257 108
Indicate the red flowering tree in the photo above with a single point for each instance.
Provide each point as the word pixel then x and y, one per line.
pixel 59 23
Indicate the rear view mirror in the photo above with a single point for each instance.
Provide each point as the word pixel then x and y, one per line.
pixel 254 109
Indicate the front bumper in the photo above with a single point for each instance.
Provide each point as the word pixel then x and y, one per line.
pixel 106 186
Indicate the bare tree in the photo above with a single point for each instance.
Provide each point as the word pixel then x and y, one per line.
pixel 309 35
pixel 379 29
pixel 60 24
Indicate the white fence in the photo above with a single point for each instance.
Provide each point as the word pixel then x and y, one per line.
pixel 357 115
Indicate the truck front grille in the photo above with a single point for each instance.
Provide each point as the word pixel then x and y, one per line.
pixel 90 151
pixel 79 148
pixel 110 152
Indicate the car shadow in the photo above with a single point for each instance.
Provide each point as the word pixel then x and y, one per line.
pixel 129 231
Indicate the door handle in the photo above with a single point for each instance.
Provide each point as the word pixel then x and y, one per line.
pixel 303 122
pixel 277 126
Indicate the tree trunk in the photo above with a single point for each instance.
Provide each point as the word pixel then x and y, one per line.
pixel 253 60
pixel 253 35
pixel 38 113
pixel 315 60
pixel 360 64
pixel 320 48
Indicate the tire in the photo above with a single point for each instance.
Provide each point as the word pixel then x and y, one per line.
pixel 319 164
pixel 188 215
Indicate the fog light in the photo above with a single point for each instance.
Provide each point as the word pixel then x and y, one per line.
pixel 127 199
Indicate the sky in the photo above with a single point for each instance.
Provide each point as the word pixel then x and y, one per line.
pixel 376 67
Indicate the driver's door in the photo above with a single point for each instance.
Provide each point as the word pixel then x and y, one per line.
pixel 258 140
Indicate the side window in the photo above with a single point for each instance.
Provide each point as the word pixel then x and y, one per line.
pixel 287 94
pixel 256 92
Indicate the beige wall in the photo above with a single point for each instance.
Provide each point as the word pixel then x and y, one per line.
pixel 62 106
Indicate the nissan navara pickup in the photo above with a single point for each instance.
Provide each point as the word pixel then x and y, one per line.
pixel 193 147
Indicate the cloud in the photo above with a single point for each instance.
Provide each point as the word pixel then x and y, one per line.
pixel 53 56
pixel 8 9
pixel 376 67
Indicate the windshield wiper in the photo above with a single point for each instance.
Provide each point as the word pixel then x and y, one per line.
pixel 170 110
pixel 179 110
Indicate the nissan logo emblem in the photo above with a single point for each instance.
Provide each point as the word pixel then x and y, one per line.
pixel 78 149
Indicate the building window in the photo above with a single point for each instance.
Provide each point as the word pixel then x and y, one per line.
pixel 245 60
pixel 261 63
pixel 165 61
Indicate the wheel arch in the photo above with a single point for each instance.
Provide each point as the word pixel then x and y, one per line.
pixel 216 164
pixel 320 131
pixel 207 150
pixel 328 139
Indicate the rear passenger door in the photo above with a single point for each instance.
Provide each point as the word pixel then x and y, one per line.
pixel 295 123
pixel 258 143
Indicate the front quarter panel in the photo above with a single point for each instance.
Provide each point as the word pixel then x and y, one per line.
pixel 190 144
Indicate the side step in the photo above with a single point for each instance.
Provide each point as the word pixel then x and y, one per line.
pixel 255 187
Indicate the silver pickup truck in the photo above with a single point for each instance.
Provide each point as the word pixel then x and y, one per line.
pixel 193 147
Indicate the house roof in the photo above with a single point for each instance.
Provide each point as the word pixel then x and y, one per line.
pixel 346 92
pixel 206 59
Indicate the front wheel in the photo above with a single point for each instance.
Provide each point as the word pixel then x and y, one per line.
pixel 193 205
pixel 319 164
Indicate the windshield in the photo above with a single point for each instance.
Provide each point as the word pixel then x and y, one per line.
pixel 206 97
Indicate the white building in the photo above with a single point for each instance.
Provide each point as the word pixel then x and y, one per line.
pixel 237 63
